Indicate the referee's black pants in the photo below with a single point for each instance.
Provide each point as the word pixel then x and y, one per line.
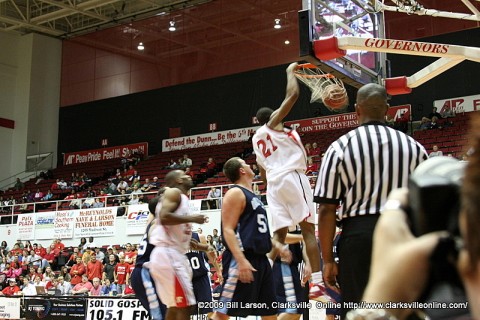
pixel 355 253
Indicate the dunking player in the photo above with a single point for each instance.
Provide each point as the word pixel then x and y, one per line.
pixel 248 287
pixel 283 161
pixel 142 282
pixel 198 255
pixel 168 264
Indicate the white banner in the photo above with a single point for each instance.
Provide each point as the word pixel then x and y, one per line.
pixel 207 139
pixel 137 216
pixel 459 105
pixel 44 225
pixel 95 222
pixel 26 226
pixel 10 308
pixel 119 309
pixel 64 223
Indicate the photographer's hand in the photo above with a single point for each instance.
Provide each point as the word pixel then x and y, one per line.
pixel 400 262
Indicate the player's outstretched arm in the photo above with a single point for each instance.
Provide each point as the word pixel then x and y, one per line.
pixel 291 96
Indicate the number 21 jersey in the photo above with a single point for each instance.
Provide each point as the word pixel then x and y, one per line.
pixel 279 151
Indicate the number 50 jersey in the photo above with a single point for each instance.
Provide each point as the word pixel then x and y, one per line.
pixel 253 232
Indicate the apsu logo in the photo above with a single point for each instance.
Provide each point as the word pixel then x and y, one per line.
pixel 70 159
pixel 140 215
pixel 400 113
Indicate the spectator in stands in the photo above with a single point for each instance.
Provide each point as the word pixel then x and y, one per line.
pixel 108 288
pixel 96 288
pixel 434 113
pixel 62 184
pixel 19 185
pixel 110 188
pixel 38 195
pixel 155 183
pixel 172 165
pixel 76 203
pixel 256 171
pixel 312 167
pixel 434 124
pixel 308 149
pixel 94 268
pixel 98 203
pixel 436 152
pixel 51 258
pixel 121 200
pixel 211 167
pixel 82 287
pixel 48 275
pixel 315 152
pixel 135 186
pixel 424 124
pixel 129 253
pixel 90 244
pixel 48 196
pixel 99 254
pixel 186 161
pixel 23 206
pixel 128 291
pixel 64 286
pixel 64 273
pixel 134 176
pixel 133 199
pixel 214 194
pixel 122 185
pixel 12 288
pixel 109 267
pixel 129 173
pixel 89 201
pixel 146 186
pixel 120 273
pixel 28 289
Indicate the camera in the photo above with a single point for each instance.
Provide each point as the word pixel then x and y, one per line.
pixel 434 205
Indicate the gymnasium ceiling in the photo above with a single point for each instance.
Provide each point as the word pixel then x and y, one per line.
pixel 209 26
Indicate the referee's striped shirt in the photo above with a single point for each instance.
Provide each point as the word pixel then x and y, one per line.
pixel 361 168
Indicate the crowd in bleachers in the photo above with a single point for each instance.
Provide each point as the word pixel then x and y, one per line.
pixel 86 269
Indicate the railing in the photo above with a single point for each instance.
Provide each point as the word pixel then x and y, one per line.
pixel 11 210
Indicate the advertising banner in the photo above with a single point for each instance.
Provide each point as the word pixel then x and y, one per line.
pixel 9 308
pixel 137 216
pixel 54 308
pixel 64 224
pixel 104 153
pixel 99 222
pixel 26 226
pixel 118 309
pixel 44 225
pixel 459 104
pixel 207 139
pixel 344 120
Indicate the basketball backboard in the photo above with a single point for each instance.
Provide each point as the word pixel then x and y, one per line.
pixel 322 19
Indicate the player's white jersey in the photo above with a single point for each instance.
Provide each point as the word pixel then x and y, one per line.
pixel 279 151
pixel 173 236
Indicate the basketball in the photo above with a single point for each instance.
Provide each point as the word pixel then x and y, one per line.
pixel 335 97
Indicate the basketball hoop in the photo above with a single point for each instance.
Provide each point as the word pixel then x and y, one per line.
pixel 325 87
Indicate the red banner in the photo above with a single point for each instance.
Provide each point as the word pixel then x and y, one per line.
pixel 105 153
pixel 344 120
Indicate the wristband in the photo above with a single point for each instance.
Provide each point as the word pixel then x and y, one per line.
pixel 393 204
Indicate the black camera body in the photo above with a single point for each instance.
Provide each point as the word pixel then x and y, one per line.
pixel 434 205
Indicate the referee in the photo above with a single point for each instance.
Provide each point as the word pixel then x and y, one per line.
pixel 358 171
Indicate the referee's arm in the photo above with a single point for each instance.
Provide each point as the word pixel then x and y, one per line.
pixel 326 233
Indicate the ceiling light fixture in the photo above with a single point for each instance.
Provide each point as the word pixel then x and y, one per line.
pixel 287 41
pixel 140 46
pixel 172 26
pixel 277 24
